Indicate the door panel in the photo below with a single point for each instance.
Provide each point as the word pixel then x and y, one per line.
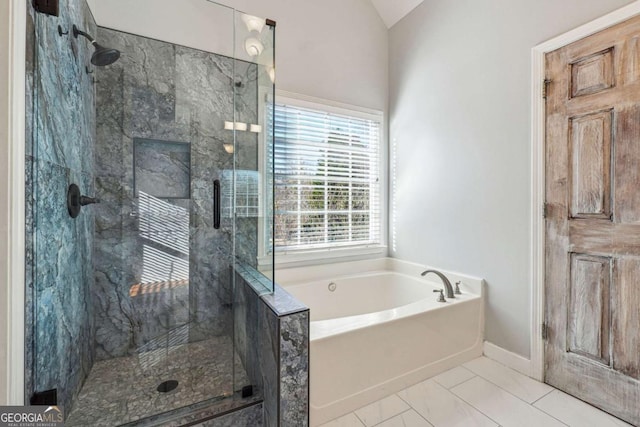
pixel 593 220
pixel 592 74
pixel 627 165
pixel 591 165
pixel 588 323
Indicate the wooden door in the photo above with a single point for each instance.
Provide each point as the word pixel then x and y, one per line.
pixel 593 220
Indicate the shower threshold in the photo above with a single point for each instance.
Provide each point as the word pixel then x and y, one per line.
pixel 128 389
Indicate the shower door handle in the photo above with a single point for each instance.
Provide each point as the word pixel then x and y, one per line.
pixel 216 204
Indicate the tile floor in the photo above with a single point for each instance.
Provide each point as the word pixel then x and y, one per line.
pixel 481 392
pixel 124 389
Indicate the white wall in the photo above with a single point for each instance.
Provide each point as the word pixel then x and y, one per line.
pixel 4 196
pixel 460 122
pixel 194 23
pixel 12 200
pixel 331 49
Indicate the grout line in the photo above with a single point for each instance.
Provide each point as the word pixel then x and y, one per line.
pixel 542 397
pixel 419 414
pixel 502 388
pixel 477 409
pixel 455 396
pixel 532 404
pixel 411 406
pixel 590 405
pixel 463 382
pixel 404 412
pixel 358 417
pixel 561 422
pixel 398 394
pixel 393 416
pixel 455 385
pixel 517 373
pixel 552 416
pixel 343 416
pixel 506 391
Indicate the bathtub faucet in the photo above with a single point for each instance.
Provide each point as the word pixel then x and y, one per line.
pixel 447 283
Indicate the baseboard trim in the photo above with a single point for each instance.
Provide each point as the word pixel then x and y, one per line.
pixel 507 358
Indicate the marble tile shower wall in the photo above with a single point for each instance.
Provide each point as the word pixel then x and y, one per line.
pixel 60 141
pixel 160 115
pixel 272 339
pixel 29 208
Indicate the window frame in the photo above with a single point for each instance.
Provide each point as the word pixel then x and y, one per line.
pixel 298 257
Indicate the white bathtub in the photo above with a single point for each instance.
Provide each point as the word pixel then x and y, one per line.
pixel 381 329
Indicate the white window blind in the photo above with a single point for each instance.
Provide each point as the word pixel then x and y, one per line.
pixel 247 196
pixel 327 189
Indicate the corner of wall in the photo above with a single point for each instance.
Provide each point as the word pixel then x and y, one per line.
pixel 510 360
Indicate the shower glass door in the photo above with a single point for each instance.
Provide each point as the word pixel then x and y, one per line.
pixel 248 187
pixel 132 300
pixel 252 187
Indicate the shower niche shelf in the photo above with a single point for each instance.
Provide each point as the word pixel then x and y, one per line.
pixel 162 169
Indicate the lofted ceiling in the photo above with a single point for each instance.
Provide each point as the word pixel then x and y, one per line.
pixel 391 11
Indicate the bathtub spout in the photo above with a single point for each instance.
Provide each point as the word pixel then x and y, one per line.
pixel 445 281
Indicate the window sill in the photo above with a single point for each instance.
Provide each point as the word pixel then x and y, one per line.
pixel 322 256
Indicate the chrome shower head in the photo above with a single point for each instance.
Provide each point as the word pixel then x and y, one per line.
pixel 102 55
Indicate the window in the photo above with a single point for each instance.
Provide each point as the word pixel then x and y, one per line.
pixel 326 171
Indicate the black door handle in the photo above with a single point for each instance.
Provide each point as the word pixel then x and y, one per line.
pixel 216 204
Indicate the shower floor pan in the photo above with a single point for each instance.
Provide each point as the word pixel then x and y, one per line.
pixel 128 389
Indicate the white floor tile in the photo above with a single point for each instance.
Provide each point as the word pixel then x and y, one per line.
pixel 453 377
pixel 575 412
pixel 349 420
pixel 501 406
pixel 482 393
pixel 407 419
pixel 515 383
pixel 441 408
pixel 381 410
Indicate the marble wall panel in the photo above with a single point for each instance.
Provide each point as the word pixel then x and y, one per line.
pixel 205 80
pixel 164 92
pixel 60 124
pixel 29 350
pixel 30 311
pixel 63 328
pixel 272 340
pixel 269 362
pixel 246 147
pixel 256 344
pixel 294 370
pixel 64 99
pixel 244 309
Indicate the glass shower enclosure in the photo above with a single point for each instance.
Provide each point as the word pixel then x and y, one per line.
pixel 149 181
